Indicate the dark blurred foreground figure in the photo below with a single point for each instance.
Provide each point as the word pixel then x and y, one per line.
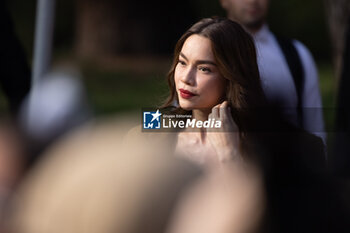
pixel 341 155
pixel 14 69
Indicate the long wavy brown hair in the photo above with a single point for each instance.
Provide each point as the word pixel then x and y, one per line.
pixel 235 55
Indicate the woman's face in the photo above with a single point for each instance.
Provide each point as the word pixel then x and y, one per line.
pixel 198 82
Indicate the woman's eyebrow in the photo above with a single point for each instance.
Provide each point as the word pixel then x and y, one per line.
pixel 205 62
pixel 183 55
pixel 199 61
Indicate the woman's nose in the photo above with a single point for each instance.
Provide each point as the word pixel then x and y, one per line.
pixel 188 76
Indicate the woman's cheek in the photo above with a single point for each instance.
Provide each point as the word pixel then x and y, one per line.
pixel 176 76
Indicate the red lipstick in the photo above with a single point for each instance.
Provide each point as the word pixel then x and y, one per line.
pixel 186 94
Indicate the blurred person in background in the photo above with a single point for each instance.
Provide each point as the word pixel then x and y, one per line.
pixel 288 72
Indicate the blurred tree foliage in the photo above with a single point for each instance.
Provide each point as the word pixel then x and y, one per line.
pixel 299 19
pixel 121 27
pixel 23 15
pixel 303 20
pixel 338 12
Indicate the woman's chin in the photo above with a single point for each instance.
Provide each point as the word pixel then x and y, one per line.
pixel 186 108
pixel 192 107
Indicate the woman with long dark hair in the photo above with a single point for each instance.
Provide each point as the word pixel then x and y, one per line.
pixel 214 75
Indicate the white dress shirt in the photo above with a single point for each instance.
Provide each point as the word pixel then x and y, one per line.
pixel 278 84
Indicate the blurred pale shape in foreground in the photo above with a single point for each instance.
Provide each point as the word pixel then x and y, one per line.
pixel 98 181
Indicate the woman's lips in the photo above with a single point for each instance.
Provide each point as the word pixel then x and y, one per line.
pixel 186 94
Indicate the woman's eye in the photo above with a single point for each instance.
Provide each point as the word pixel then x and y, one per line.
pixel 182 62
pixel 204 69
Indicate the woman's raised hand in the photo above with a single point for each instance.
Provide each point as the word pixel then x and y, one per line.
pixel 226 139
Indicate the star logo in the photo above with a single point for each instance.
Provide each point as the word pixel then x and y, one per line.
pixel 156 115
